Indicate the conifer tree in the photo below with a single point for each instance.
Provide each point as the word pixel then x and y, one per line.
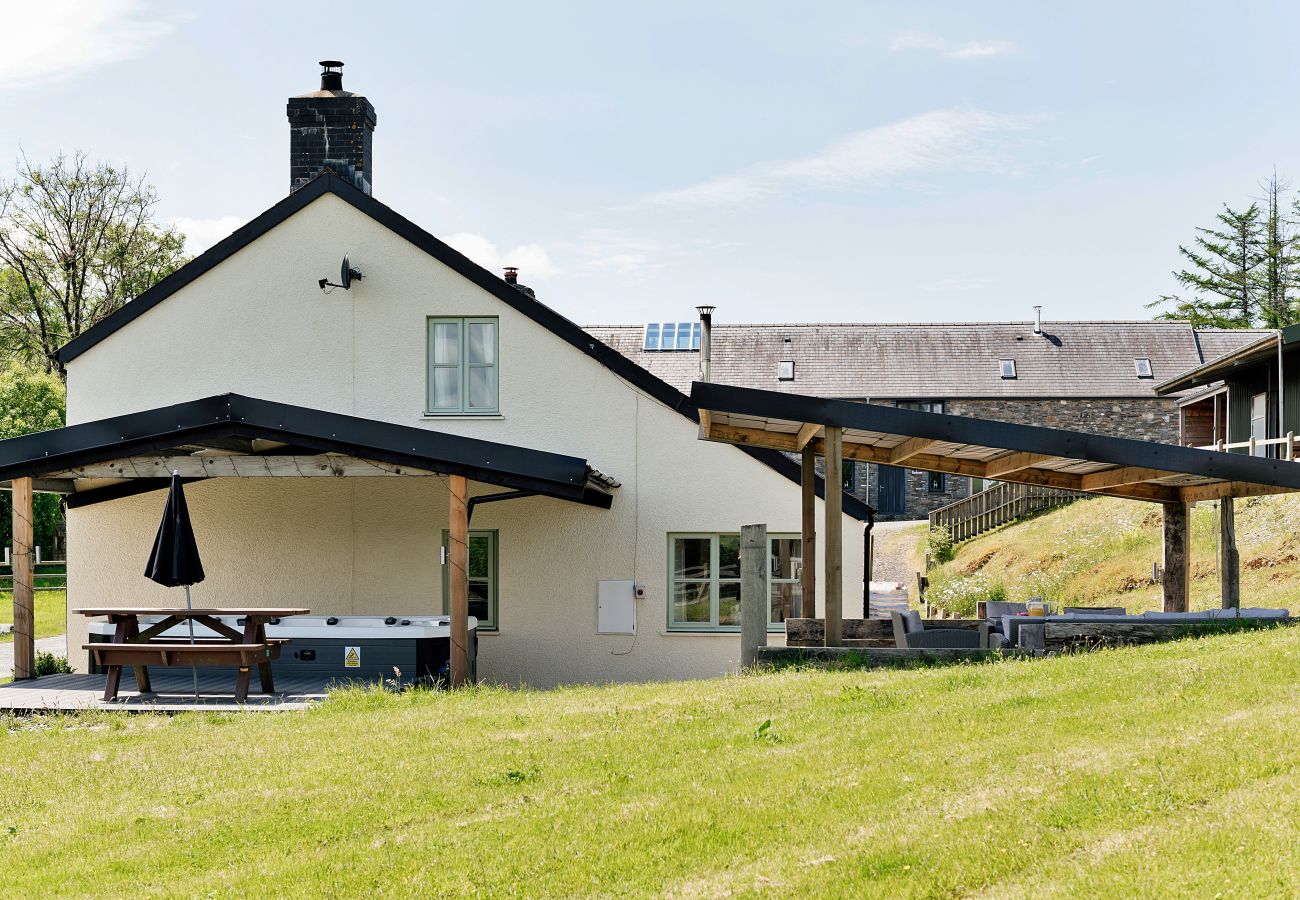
pixel 1224 278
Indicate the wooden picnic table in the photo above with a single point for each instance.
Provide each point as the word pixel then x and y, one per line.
pixel 138 648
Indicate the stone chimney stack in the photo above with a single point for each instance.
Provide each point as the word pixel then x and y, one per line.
pixel 331 129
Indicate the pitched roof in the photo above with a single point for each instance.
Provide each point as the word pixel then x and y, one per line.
pixel 328 183
pixel 214 422
pixel 938 360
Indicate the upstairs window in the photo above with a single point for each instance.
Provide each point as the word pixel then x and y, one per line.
pixel 672 336
pixel 462 366
pixel 1142 366
pixel 1007 367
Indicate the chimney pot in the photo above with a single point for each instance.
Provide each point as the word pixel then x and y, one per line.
pixel 331 76
pixel 512 275
pixel 1038 320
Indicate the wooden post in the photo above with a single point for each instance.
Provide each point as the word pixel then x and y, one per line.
pixel 834 566
pixel 24 609
pixel 458 578
pixel 808 572
pixel 1229 558
pixel 1176 579
pixel 755 597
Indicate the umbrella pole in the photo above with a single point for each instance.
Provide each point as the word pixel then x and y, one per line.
pixel 193 669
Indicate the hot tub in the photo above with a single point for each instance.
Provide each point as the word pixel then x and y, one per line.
pixel 404 649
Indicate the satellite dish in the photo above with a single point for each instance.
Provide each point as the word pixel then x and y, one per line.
pixel 347 275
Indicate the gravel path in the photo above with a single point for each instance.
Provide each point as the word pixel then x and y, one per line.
pixel 58 644
pixel 896 558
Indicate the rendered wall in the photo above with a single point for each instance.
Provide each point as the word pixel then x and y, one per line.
pixel 257 324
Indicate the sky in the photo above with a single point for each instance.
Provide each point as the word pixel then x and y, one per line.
pixel 838 162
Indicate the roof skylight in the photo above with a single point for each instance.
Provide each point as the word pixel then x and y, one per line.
pixel 672 336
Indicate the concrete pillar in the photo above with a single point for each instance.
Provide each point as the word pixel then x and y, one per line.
pixel 755 593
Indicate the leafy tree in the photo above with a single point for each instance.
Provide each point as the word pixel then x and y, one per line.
pixel 29 402
pixel 77 241
pixel 1224 276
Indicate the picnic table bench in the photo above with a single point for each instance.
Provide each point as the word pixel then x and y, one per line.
pixel 135 648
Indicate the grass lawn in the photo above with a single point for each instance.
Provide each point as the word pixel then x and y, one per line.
pixel 1168 769
pixel 51 613
pixel 1099 553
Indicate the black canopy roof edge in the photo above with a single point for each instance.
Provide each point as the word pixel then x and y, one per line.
pixel 46 452
pixel 990 433
pixel 565 329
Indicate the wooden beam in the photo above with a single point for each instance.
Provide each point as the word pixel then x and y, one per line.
pixel 909 448
pixel 755 597
pixel 323 465
pixel 23 566
pixel 808 504
pixel 833 568
pixel 1229 558
pixel 754 437
pixel 1221 489
pixel 1122 476
pixel 809 431
pixel 1014 462
pixel 706 424
pixel 1176 579
pixel 458 578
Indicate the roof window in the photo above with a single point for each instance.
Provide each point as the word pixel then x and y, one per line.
pixel 1008 368
pixel 1142 366
pixel 785 370
pixel 672 336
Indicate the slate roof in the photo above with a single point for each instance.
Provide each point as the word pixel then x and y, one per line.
pixel 939 360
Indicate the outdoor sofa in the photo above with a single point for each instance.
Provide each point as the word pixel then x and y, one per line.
pixel 911 633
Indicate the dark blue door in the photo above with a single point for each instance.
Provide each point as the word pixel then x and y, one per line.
pixel 892 494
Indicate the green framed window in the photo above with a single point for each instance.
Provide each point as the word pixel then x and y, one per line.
pixel 463 376
pixel 704 581
pixel 484 558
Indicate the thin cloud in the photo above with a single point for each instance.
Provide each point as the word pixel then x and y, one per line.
pixel 949 140
pixel 921 40
pixel 53 40
pixel 532 260
pixel 200 234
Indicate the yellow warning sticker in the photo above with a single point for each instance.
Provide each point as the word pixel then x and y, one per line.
pixel 351 657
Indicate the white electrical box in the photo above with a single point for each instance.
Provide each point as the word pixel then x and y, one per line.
pixel 616 607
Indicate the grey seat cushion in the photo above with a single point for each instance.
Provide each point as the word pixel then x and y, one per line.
pixel 996 609
pixel 912 622
pixel 1094 610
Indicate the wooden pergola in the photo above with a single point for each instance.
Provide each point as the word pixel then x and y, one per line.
pixel 232 436
pixel 1169 475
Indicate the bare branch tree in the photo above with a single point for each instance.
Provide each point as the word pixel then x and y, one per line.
pixel 77 242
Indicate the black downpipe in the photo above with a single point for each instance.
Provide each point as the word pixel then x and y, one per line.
pixel 493 498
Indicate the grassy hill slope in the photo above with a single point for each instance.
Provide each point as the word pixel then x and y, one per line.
pixel 1099 553
pixel 1169 769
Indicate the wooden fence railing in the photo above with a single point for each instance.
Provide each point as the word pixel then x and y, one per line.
pixel 1001 504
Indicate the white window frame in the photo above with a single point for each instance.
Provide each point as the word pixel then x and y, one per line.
pixel 715 582
pixel 785 370
pixel 463 365
pixel 691 331
pixel 1007 368
pixel 1142 365
pixel 1262 419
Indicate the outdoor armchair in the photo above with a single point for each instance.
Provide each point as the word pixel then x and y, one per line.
pixel 910 633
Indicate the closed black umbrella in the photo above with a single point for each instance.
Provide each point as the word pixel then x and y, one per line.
pixel 174 560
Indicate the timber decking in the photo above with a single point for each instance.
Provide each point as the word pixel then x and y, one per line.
pixel 173 692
